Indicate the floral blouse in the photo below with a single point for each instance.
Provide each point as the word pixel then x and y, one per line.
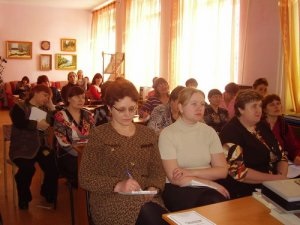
pixel 216 119
pixel 68 132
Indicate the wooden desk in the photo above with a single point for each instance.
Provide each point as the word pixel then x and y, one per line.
pixel 81 217
pixel 245 211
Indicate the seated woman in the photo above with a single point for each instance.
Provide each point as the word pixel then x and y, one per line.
pixel 253 153
pixel 164 115
pixel 272 109
pixel 22 88
pixel 119 158
pixel 161 96
pixel 214 115
pixel 95 90
pixel 71 125
pixel 191 152
pixel 29 145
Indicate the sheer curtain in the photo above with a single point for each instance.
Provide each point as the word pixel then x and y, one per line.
pixel 103 36
pixel 142 41
pixel 204 42
pixel 289 18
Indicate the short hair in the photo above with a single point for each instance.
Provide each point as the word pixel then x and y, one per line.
pixel 70 73
pixel 191 81
pixel 268 99
pixel 118 90
pixel 214 92
pixel 244 97
pixel 186 94
pixel 175 93
pixel 38 88
pixel 25 78
pixel 232 88
pixel 96 76
pixel 260 81
pixel 157 82
pixel 74 91
pixel 41 79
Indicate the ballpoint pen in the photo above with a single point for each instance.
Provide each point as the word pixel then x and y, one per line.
pixel 129 174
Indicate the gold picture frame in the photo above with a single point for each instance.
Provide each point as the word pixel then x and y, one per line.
pixel 45 62
pixel 18 50
pixel 65 61
pixel 68 45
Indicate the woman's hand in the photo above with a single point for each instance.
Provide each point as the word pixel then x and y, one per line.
pixel 180 173
pixel 42 125
pixel 220 189
pixel 128 185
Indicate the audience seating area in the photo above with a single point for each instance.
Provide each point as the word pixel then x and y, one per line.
pixel 9 88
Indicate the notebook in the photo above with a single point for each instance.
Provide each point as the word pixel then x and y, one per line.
pixel 285 193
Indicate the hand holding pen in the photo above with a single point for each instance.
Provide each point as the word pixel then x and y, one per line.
pixel 127 185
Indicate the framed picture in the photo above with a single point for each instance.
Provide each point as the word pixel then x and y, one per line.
pixel 65 61
pixel 18 50
pixel 68 45
pixel 45 62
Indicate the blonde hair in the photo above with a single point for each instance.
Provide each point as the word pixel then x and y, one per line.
pixel 186 94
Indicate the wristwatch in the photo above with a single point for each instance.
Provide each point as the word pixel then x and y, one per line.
pixel 45 45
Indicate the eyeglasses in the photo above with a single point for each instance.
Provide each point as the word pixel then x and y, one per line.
pixel 131 109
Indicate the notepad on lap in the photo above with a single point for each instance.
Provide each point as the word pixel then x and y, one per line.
pixel 139 193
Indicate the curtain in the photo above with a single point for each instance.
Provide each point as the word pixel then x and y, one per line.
pixel 204 42
pixel 142 41
pixel 103 36
pixel 289 21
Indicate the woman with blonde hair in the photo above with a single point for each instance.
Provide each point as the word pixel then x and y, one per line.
pixel 192 155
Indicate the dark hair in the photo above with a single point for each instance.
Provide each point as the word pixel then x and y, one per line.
pixel 260 81
pixel 244 97
pixel 96 76
pixel 214 92
pixel 118 90
pixel 191 81
pixel 38 88
pixel 175 93
pixel 70 73
pixel 268 99
pixel 104 87
pixel 74 91
pixel 25 78
pixel 232 88
pixel 153 81
pixel 42 79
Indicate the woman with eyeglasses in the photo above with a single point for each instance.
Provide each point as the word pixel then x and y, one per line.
pixel 121 158
pixel 192 157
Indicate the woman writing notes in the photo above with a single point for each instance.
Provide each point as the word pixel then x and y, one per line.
pixel 119 158
pixel 192 155
pixel 253 153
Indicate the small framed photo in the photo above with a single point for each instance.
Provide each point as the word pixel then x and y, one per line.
pixel 45 62
pixel 65 61
pixel 18 50
pixel 68 45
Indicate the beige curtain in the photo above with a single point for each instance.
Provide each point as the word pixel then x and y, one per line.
pixel 289 18
pixel 204 42
pixel 103 36
pixel 142 41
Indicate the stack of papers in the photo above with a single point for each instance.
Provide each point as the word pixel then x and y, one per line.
pixel 195 183
pixel 190 217
pixel 139 193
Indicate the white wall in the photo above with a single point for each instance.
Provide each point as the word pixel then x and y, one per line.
pixel 35 24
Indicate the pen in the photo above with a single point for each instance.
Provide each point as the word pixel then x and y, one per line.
pixel 129 174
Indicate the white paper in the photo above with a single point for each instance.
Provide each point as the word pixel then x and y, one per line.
pixel 293 171
pixel 37 114
pixel 195 183
pixel 190 217
pixel 139 193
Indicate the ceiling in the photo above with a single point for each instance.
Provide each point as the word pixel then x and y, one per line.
pixel 73 4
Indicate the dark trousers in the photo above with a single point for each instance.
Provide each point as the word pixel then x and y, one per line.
pixel 179 198
pixel 151 214
pixel 26 171
pixel 68 167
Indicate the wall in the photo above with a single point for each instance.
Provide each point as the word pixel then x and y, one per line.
pixel 260 43
pixel 35 24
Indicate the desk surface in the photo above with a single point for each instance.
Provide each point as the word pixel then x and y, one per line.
pixel 246 211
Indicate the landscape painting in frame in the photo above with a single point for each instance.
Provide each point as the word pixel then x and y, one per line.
pixel 65 62
pixel 68 45
pixel 18 50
